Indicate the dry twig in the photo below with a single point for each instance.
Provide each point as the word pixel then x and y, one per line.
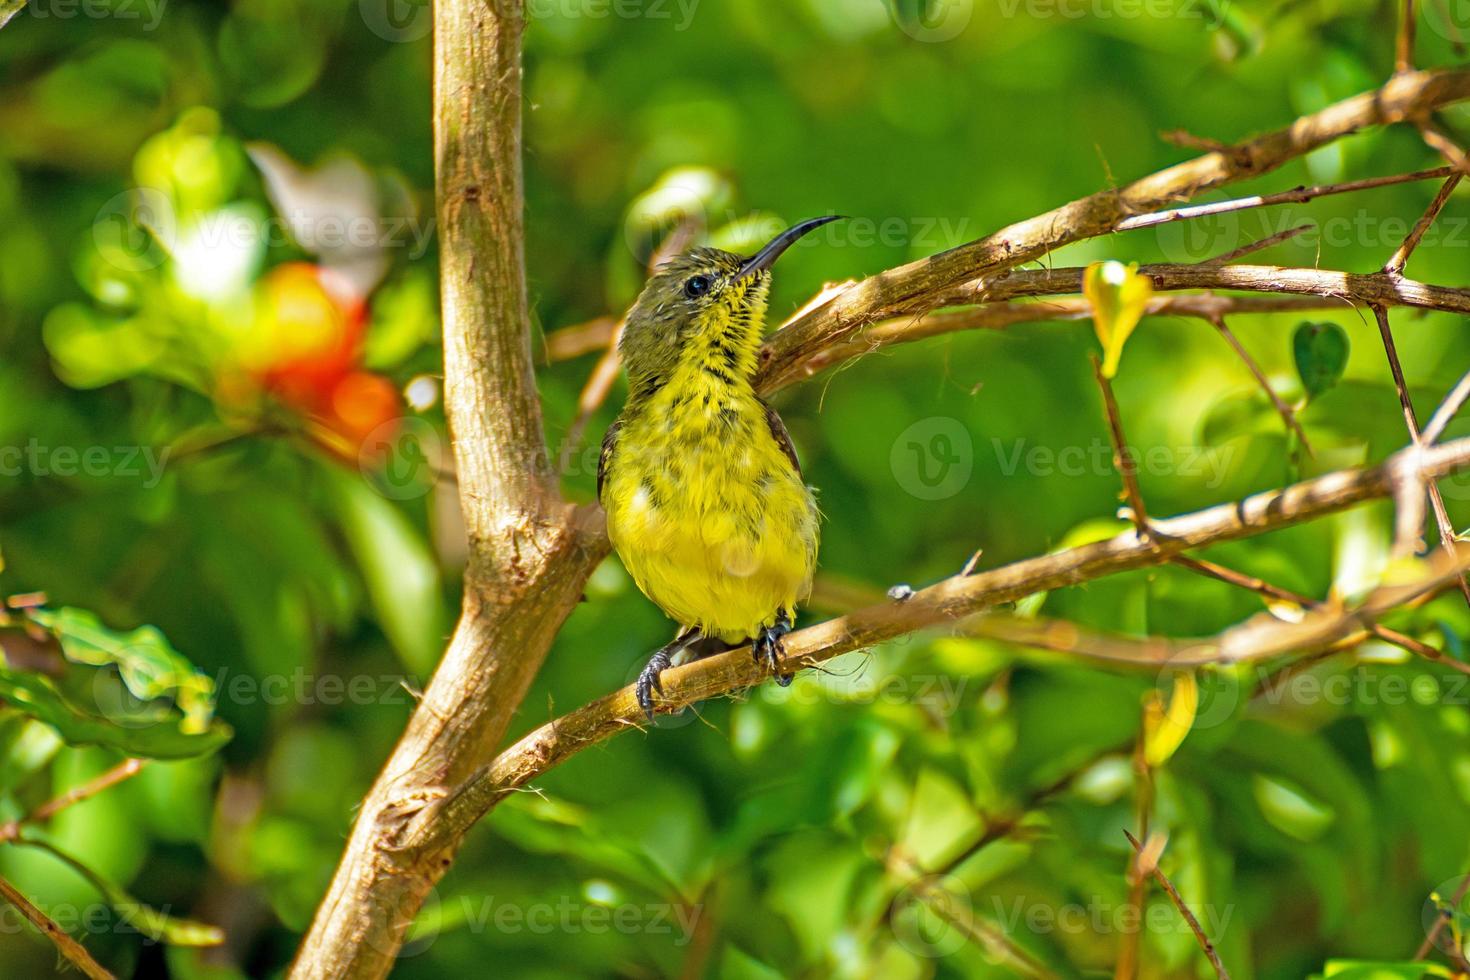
pixel 1199 933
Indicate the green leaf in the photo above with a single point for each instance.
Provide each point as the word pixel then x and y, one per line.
pixel 149 666
pixel 1321 352
pixel 1290 810
pixel 736 964
pixel 38 697
pixel 26 747
pixel 156 925
pixel 405 317
pixel 399 570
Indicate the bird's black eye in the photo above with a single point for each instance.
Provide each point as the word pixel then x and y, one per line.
pixel 697 287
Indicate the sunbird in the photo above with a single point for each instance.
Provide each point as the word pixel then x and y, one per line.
pixel 705 499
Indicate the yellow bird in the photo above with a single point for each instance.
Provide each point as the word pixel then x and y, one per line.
pixel 705 500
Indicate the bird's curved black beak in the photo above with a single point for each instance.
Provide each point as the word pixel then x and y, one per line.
pixel 767 256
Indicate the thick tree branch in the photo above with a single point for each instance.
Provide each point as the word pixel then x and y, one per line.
pixel 528 557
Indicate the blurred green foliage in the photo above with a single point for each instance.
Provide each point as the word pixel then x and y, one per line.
pixel 886 816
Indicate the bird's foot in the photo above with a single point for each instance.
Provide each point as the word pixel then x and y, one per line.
pixel 648 681
pixel 769 647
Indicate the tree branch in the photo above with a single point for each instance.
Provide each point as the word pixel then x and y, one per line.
pixel 76 954
pixel 1411 422
pixel 1297 195
pixel 1401 255
pixel 1152 868
pixel 529 553
pixel 1123 460
pixel 945 602
pixel 1000 316
pixel 128 768
pixel 1284 410
pixel 998 309
pixel 904 289
pixel 8 10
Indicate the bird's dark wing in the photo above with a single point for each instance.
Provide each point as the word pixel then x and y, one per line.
pixel 605 456
pixel 783 438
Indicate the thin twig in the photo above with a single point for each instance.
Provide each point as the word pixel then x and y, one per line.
pixel 1282 409
pixel 1127 966
pixel 1401 255
pixel 118 773
pixel 1174 896
pixel 75 952
pixel 1447 410
pixel 1411 421
pixel 566 343
pixel 977 930
pixel 1404 56
pixel 1122 456
pixel 1283 281
pixel 1259 245
pixel 1260 586
pixel 1440 920
pixel 1002 315
pixel 1440 141
pixel 1297 195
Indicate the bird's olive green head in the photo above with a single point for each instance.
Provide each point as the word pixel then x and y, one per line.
pixel 703 297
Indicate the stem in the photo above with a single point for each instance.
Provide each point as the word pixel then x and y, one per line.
pixel 76 954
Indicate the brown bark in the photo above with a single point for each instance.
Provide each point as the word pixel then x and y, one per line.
pixel 528 557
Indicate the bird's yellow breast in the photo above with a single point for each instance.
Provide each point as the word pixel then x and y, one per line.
pixel 707 512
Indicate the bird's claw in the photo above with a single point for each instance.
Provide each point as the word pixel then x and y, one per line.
pixel 648 682
pixel 769 648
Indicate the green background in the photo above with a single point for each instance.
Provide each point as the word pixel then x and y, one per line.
pixel 788 823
